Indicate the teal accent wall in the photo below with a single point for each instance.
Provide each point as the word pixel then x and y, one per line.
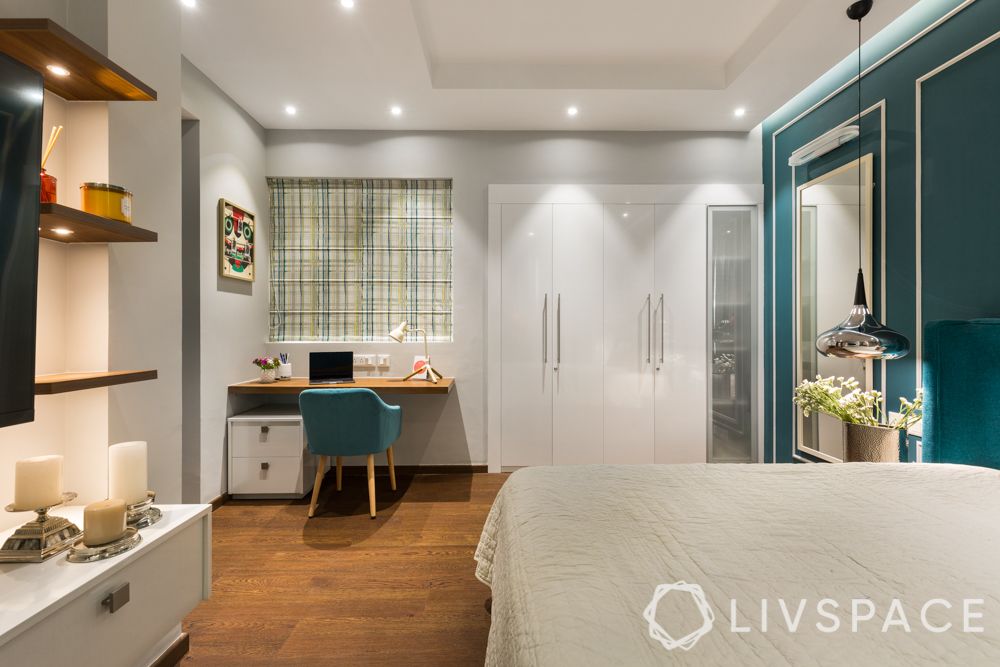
pixel 960 198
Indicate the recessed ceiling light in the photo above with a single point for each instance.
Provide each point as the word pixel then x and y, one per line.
pixel 62 231
pixel 189 3
pixel 739 112
pixel 291 110
pixel 58 70
pixel 572 111
pixel 347 4
pixel 625 214
pixel 396 110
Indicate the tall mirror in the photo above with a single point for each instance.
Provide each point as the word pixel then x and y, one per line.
pixel 827 266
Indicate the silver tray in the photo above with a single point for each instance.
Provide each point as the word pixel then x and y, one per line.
pixel 81 553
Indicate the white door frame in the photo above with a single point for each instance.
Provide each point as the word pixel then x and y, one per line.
pixel 499 194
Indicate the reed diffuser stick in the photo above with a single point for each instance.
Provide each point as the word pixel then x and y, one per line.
pixel 53 137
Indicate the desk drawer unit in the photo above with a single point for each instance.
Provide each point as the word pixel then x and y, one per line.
pixel 268 456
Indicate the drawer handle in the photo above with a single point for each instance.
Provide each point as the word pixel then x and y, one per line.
pixel 265 430
pixel 117 598
pixel 265 465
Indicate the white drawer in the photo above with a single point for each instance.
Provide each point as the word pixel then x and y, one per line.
pixel 282 475
pixel 264 438
pixel 165 584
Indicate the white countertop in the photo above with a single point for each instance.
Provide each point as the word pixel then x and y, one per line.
pixel 31 591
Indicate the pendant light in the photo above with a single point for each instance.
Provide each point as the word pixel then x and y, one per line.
pixel 861 336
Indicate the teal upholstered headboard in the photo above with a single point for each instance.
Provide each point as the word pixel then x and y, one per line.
pixel 961 376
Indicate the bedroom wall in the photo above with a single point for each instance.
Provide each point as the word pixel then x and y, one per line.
pixel 947 268
pixel 452 430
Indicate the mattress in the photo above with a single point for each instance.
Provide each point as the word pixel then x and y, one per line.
pixel 750 565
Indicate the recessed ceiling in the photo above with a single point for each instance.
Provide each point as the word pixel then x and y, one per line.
pixel 518 64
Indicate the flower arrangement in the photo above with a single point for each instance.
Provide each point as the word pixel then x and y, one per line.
pixel 844 400
pixel 266 363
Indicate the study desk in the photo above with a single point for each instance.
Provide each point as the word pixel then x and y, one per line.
pixel 297 385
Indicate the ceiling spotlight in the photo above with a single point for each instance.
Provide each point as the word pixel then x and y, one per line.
pixel 62 231
pixel 347 4
pixel 739 112
pixel 625 214
pixel 291 110
pixel 58 70
pixel 396 110
pixel 572 111
pixel 189 3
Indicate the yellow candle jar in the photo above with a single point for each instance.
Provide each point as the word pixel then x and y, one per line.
pixel 107 201
pixel 103 522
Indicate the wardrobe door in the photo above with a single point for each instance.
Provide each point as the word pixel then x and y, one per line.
pixel 578 388
pixel 526 316
pixel 628 325
pixel 680 334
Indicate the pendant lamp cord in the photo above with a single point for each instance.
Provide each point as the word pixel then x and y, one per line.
pixel 860 217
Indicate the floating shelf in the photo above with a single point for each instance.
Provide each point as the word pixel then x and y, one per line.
pixel 64 382
pixel 87 227
pixel 39 43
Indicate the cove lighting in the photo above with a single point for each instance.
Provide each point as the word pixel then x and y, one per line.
pixel 347 4
pixel 58 70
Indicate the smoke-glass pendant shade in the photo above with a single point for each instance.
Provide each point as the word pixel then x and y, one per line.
pixel 861 336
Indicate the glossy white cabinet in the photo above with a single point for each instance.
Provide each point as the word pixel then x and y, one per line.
pixel 268 457
pixel 680 334
pixel 526 309
pixel 578 387
pixel 628 328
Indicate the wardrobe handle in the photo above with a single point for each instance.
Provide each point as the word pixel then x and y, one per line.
pixel 545 330
pixel 649 327
pixel 558 332
pixel 662 328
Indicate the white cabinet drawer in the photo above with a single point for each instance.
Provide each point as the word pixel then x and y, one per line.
pixel 270 475
pixel 264 438
pixel 165 584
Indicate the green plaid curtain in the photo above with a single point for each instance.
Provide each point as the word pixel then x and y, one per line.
pixel 352 258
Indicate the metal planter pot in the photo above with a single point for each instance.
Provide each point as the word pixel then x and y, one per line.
pixel 872 444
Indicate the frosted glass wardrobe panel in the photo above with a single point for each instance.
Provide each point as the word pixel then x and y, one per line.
pixel 526 335
pixel 628 329
pixel 732 289
pixel 577 283
pixel 679 336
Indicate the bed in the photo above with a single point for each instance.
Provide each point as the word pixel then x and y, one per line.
pixel 574 557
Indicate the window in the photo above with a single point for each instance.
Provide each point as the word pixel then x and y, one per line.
pixel 352 258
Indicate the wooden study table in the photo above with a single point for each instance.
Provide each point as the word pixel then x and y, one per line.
pixel 297 385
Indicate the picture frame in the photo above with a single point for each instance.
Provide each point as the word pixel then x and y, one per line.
pixel 237 242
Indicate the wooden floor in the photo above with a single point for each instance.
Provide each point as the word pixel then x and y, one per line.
pixel 344 589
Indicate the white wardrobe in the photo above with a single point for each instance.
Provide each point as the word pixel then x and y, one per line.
pixel 599 323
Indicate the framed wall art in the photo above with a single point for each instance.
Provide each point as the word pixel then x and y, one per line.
pixel 237 229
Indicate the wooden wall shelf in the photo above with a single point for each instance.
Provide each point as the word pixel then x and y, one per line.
pixel 87 227
pixel 39 43
pixel 64 382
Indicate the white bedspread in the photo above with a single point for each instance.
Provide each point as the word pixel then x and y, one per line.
pixel 574 554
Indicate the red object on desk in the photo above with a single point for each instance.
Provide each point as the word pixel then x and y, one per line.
pixel 48 188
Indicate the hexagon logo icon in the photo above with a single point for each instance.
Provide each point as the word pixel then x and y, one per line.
pixel 660 634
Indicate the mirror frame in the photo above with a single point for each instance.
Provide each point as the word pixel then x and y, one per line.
pixel 867 162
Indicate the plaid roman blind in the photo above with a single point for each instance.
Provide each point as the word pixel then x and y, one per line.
pixel 352 258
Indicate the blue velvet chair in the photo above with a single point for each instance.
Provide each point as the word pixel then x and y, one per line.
pixel 349 422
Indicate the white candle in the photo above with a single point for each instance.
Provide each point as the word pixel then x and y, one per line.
pixel 103 521
pixel 127 472
pixel 38 482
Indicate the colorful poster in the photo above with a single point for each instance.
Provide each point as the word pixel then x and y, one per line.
pixel 237 228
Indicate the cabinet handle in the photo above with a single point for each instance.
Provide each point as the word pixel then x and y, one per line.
pixel 649 327
pixel 545 330
pixel 265 465
pixel 558 332
pixel 662 328
pixel 117 598
pixel 264 430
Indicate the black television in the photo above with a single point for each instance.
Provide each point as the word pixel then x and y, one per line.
pixel 21 96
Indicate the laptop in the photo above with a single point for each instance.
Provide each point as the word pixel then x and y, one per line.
pixel 331 367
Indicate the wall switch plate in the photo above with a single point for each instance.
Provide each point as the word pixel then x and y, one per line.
pixel 383 361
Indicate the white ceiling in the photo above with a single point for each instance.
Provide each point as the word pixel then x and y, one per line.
pixel 518 64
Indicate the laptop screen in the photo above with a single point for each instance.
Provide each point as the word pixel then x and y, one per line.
pixel 329 366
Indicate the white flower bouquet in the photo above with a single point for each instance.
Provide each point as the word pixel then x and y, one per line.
pixel 844 400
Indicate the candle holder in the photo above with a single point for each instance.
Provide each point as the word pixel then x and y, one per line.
pixel 42 538
pixel 143 514
pixel 81 553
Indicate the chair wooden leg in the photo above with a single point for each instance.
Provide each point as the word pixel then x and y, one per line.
pixel 392 469
pixel 340 471
pixel 371 485
pixel 320 470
